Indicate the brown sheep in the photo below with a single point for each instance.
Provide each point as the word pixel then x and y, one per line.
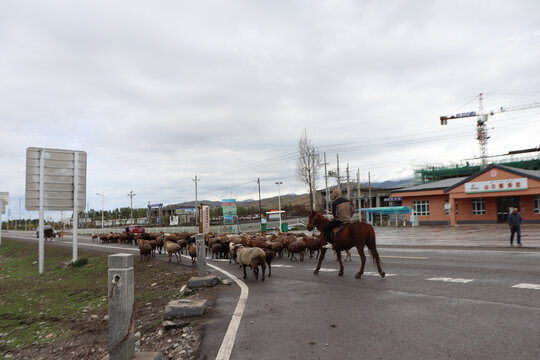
pixel 278 247
pixel 216 250
pixel 297 246
pixel 173 248
pixel 313 244
pixel 145 249
pixel 160 243
pixel 254 257
pixel 192 250
pixel 269 256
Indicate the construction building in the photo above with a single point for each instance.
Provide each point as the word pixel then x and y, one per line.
pixel 485 197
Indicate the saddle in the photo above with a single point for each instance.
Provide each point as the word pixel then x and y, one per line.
pixel 337 232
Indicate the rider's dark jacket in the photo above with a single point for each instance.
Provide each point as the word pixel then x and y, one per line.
pixel 342 210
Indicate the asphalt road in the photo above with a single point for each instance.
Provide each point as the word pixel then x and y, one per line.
pixel 433 304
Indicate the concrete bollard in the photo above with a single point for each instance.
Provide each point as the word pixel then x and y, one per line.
pixel 121 285
pixel 201 255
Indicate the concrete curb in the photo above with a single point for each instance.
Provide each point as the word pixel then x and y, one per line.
pixel 204 281
pixel 185 308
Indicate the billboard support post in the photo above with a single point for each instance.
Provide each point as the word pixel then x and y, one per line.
pixel 4 201
pixel 75 205
pixel 41 210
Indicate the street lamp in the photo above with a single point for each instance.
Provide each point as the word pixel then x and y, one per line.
pixel 279 203
pixel 131 195
pixel 102 206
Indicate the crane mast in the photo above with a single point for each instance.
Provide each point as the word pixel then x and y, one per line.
pixel 481 128
pixel 481 131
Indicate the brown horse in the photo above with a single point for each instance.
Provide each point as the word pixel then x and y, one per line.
pixel 353 234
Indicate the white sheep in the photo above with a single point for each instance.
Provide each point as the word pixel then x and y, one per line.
pixel 254 257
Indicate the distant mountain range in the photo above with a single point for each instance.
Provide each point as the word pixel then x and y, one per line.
pixel 295 199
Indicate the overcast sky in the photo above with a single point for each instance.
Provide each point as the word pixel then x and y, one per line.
pixel 157 92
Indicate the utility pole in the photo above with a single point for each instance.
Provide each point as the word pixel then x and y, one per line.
pixel 359 189
pixel 369 184
pixel 348 185
pixel 326 183
pixel 131 195
pixel 196 180
pixel 338 180
pixel 102 207
pixel 260 206
pixel 279 203
pixel 313 189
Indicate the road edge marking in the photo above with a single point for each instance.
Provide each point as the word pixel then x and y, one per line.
pixel 227 345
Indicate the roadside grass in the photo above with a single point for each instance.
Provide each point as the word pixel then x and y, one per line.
pixel 44 308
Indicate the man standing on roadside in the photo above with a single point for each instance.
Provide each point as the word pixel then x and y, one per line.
pixel 514 220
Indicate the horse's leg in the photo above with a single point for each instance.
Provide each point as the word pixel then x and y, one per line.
pixel 338 255
pixel 349 255
pixel 360 249
pixel 321 258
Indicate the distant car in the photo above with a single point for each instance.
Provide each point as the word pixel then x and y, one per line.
pixel 135 229
pixel 46 229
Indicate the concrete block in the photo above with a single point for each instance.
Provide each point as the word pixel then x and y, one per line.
pixel 183 308
pixel 143 355
pixel 121 290
pixel 120 260
pixel 201 255
pixel 208 280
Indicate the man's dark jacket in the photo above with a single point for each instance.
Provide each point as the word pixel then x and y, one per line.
pixel 514 220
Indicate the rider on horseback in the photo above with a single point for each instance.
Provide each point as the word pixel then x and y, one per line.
pixel 342 210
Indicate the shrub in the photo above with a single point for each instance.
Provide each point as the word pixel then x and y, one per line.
pixel 80 262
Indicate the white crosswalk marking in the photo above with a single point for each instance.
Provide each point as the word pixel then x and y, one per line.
pixel 527 286
pixel 373 273
pixel 324 270
pixel 368 273
pixel 447 279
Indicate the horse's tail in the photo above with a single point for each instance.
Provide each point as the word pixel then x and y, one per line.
pixel 372 247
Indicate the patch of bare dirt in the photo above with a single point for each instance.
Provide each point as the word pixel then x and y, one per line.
pixel 178 340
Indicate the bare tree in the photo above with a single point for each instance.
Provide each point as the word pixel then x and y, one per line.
pixel 308 165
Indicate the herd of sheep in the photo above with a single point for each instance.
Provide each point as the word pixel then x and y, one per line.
pixel 249 249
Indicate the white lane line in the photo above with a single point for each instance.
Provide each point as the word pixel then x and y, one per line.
pixel 282 266
pixel 453 280
pixel 527 286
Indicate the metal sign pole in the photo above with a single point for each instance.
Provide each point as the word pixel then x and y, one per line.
pixel 1 213
pixel 41 211
pixel 4 201
pixel 75 204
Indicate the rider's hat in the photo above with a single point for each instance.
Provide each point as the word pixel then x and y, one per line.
pixel 336 194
